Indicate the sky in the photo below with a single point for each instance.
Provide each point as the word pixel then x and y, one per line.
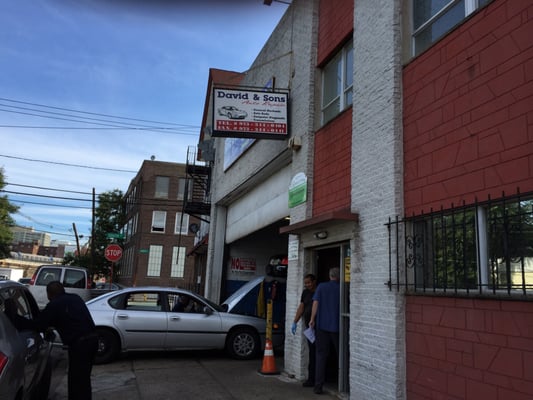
pixel 91 88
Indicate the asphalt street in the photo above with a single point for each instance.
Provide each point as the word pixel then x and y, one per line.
pixel 183 375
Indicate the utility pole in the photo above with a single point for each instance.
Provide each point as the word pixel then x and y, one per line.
pixel 93 250
pixel 77 239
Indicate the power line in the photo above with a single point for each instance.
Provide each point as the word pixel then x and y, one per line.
pixel 128 124
pixel 156 129
pixel 34 220
pixel 48 204
pixel 43 195
pixel 46 188
pixel 67 164
pixel 51 233
pixel 159 130
pixel 136 202
pixel 98 114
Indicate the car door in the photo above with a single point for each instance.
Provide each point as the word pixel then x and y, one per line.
pixel 142 320
pixel 75 281
pixel 35 350
pixel 44 275
pixel 193 328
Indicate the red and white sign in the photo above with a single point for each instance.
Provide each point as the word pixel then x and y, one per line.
pixel 113 253
pixel 239 264
pixel 250 114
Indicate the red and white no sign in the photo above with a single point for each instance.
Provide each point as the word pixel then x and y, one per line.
pixel 113 252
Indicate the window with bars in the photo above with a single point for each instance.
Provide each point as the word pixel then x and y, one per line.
pixel 178 262
pixel 155 256
pixel 480 249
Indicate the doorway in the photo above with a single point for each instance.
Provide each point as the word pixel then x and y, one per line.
pixel 326 258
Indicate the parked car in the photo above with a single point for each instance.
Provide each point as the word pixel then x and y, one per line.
pixel 101 288
pixel 25 363
pixel 232 112
pixel 142 318
pixel 108 286
pixel 74 279
pixel 25 281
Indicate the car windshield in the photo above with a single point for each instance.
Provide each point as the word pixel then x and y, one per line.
pixel 216 306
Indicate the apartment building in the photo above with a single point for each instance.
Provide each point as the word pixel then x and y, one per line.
pixel 29 235
pixel 158 236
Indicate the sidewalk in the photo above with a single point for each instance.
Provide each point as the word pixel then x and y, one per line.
pixel 186 376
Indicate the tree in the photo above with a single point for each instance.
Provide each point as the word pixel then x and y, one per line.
pixel 6 220
pixel 109 217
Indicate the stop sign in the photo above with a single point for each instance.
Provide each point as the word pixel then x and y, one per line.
pixel 113 252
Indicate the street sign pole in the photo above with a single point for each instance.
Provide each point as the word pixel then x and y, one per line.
pixel 112 253
pixel 111 275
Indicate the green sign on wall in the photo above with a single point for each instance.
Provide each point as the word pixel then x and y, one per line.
pixel 298 190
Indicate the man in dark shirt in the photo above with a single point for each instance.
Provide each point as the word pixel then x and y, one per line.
pixel 325 321
pixel 304 310
pixel 68 314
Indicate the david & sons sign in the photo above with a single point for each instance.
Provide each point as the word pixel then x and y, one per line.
pixel 250 114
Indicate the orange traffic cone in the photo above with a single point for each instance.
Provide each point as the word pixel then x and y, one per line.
pixel 269 363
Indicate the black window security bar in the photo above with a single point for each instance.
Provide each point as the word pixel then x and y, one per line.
pixel 481 249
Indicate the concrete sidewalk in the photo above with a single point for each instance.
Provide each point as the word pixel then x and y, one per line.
pixel 185 375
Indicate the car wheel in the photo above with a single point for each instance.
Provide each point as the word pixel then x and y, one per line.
pixel 108 346
pixel 243 344
pixel 43 387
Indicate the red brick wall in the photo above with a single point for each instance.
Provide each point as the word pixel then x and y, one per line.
pixel 469 349
pixel 332 158
pixel 335 24
pixel 468 111
pixel 332 177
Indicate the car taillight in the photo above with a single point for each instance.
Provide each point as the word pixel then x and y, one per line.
pixel 3 361
pixel 89 283
pixel 33 278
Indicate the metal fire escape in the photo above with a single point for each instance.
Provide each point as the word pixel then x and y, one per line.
pixel 197 201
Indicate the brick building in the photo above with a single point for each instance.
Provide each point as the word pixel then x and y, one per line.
pixel 157 238
pixel 411 134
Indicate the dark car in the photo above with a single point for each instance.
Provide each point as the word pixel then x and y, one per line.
pixel 25 281
pixel 25 363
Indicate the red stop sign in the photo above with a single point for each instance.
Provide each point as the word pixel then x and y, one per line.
pixel 113 252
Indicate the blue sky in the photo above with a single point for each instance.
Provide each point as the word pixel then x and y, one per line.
pixel 65 63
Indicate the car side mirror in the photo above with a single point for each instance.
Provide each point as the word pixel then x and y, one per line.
pixel 207 310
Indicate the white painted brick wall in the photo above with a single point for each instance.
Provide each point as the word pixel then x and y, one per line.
pixel 377 368
pixel 290 57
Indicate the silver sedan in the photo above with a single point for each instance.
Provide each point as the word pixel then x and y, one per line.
pixel 160 318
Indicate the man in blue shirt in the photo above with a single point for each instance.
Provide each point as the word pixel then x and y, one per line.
pixel 325 321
